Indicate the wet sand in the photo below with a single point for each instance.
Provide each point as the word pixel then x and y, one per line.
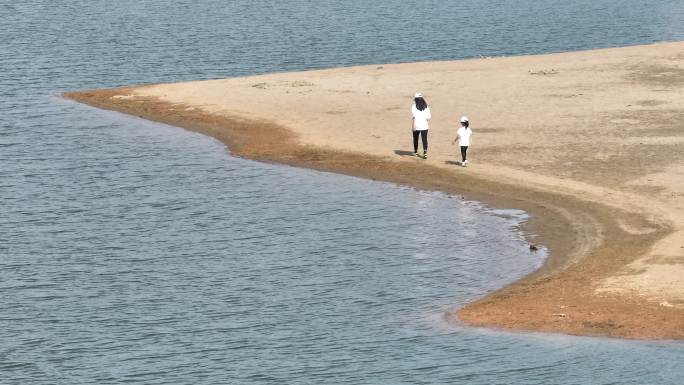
pixel 589 143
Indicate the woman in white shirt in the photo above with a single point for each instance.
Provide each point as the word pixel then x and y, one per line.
pixel 463 137
pixel 421 115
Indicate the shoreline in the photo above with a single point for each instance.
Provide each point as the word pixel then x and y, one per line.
pixel 589 239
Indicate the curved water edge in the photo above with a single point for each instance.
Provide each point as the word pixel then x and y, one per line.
pixel 272 143
pixel 301 292
pixel 531 304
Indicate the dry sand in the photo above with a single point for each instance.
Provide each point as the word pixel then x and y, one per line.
pixel 590 143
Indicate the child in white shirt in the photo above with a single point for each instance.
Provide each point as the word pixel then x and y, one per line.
pixel 463 136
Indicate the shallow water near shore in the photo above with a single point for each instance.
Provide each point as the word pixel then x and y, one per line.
pixel 134 252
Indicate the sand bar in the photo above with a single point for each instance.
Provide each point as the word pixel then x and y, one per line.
pixel 590 143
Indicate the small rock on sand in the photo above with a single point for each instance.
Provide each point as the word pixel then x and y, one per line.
pixel 301 83
pixel 123 97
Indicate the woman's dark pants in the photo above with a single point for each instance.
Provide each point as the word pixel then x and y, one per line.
pixel 423 134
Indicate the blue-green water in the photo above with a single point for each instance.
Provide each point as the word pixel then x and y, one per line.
pixel 133 252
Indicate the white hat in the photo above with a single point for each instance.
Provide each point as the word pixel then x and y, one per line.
pixel 464 119
pixel 418 95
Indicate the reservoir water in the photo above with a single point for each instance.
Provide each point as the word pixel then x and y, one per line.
pixel 134 252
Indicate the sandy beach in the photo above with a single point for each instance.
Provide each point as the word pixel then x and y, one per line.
pixel 589 143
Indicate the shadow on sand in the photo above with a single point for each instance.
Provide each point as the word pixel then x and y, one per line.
pixel 403 153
